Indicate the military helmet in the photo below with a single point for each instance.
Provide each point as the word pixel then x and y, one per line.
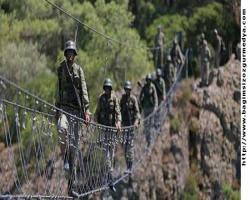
pixel 107 83
pixel 159 27
pixel 70 45
pixel 158 72
pixel 149 77
pixel 127 85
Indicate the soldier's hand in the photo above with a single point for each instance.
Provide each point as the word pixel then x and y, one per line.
pixel 86 118
pixel 118 126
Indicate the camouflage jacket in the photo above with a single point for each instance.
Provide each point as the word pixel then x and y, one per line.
pixel 65 94
pixel 205 54
pixel 148 96
pixel 129 110
pixel 160 89
pixel 107 110
pixel 159 39
pixel 177 55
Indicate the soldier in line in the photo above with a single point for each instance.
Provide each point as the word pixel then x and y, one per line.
pixel 160 86
pixel 108 113
pixel 130 116
pixel 176 55
pixel 159 48
pixel 200 45
pixel 218 48
pixel 169 72
pixel 72 97
pixel 149 102
pixel 205 61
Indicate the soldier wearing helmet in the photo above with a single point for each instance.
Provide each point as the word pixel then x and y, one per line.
pixel 169 72
pixel 159 48
pixel 160 86
pixel 200 42
pixel 219 48
pixel 130 116
pixel 176 54
pixel 72 97
pixel 149 103
pixel 148 97
pixel 205 62
pixel 108 113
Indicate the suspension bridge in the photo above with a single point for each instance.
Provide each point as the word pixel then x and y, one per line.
pixel 33 164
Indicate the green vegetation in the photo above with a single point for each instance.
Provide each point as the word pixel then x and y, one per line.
pixel 191 188
pixel 175 125
pixel 229 193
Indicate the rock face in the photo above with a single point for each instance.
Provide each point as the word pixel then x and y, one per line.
pixel 204 149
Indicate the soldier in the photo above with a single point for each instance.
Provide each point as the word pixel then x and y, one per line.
pixel 149 103
pixel 108 113
pixel 218 48
pixel 159 48
pixel 71 97
pixel 169 73
pixel 160 86
pixel 176 55
pixel 205 60
pixel 130 116
pixel 200 45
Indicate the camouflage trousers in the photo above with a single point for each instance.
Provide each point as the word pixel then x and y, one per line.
pixel 69 130
pixel 147 124
pixel 217 58
pixel 159 58
pixel 129 146
pixel 204 73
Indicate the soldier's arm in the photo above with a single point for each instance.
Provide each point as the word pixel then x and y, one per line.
pixel 164 89
pixel 97 110
pixel 137 112
pixel 57 95
pixel 117 111
pixel 155 98
pixel 85 97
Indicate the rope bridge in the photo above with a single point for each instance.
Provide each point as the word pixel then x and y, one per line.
pixel 33 164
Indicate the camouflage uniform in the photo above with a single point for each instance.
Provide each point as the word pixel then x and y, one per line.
pixel 148 99
pixel 205 60
pixel 159 51
pixel 169 73
pixel 200 45
pixel 108 113
pixel 149 102
pixel 176 55
pixel 66 99
pixel 130 116
pixel 160 87
pixel 218 44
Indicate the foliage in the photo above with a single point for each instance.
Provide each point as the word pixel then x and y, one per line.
pixel 229 193
pixel 21 62
pixel 190 189
pixel 175 124
pixel 171 23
